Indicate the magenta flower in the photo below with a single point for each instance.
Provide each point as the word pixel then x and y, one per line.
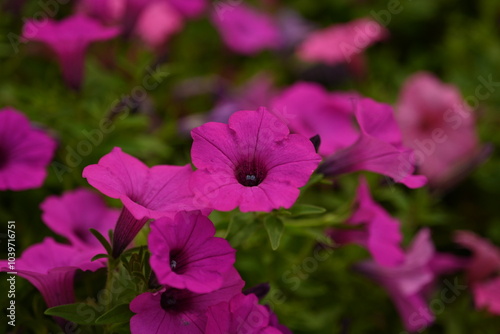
pixel 72 214
pixel 380 234
pixel 186 255
pixel 242 314
pixel 439 126
pixel 180 311
pixel 483 270
pixel 146 193
pixel 376 146
pixel 25 152
pixel 341 43
pixel 310 110
pixel 246 31
pixel 69 40
pixel 191 8
pixel 51 268
pixel 408 284
pixel 158 21
pixel 253 163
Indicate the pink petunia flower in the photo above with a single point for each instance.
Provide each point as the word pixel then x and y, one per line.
pixel 379 232
pixel 146 193
pixel 180 311
pixel 242 314
pixel 408 284
pixel 376 146
pixel 245 30
pixel 51 268
pixel 439 126
pixel 341 43
pixel 72 214
pixel 186 255
pixel 483 270
pixel 69 40
pixel 158 21
pixel 25 152
pixel 253 163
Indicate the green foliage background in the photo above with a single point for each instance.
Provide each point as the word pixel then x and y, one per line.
pixel 457 40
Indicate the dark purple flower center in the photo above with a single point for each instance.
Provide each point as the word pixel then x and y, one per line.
pixel 250 173
pixel 168 300
pixel 4 157
pixel 176 301
pixel 177 261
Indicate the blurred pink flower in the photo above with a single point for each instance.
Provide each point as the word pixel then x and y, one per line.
pixel 51 268
pixel 438 125
pixel 106 11
pixel 157 22
pixel 242 314
pixel 186 255
pixel 253 163
pixel 180 311
pixel 245 30
pixel 375 230
pixel 483 270
pixel 25 152
pixel 72 214
pixel 376 146
pixel 69 40
pixel 341 43
pixel 146 193
pixel 189 8
pixel 408 284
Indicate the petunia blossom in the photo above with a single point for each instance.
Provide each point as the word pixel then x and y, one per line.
pixel 72 214
pixel 51 268
pixel 245 30
pixel 375 145
pixel 408 284
pixel 106 11
pixel 157 22
pixel 483 270
pixel 146 193
pixel 186 255
pixel 439 125
pixel 242 314
pixel 171 310
pixel 341 43
pixel 375 229
pixel 69 40
pixel 253 163
pixel 25 152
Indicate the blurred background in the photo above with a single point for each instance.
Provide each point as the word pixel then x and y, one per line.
pixel 199 79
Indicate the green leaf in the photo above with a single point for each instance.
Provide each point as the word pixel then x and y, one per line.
pixel 306 209
pixel 100 256
pixel 76 313
pixel 275 228
pixel 102 240
pixel 118 314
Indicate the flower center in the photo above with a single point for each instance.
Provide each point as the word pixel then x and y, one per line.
pixel 173 264
pixel 168 300
pixel 250 173
pixel 4 157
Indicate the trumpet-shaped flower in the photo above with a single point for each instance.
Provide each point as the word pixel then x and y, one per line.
pixel 253 163
pixel 25 152
pixel 186 255
pixel 146 193
pixel 69 40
